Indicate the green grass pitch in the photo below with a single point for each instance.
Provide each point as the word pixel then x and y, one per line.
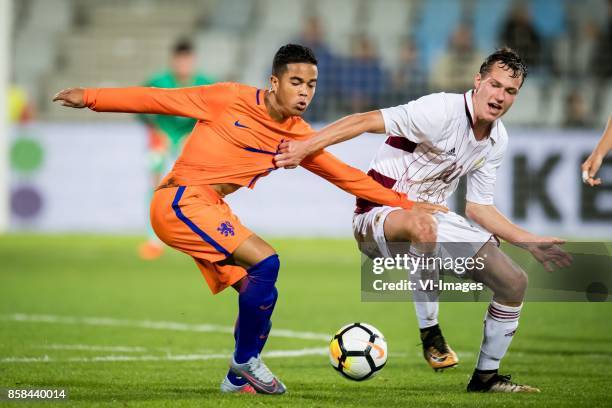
pixel 85 314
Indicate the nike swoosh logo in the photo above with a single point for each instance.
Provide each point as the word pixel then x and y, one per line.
pixel 262 307
pixel 240 125
pixel 381 352
pixel 258 385
pixel 436 359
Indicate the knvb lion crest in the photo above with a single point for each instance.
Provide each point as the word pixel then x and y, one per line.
pixel 226 228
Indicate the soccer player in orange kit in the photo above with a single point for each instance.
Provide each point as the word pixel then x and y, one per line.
pixel 232 145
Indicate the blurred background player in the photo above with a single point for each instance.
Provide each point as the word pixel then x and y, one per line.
pixel 431 143
pixel 167 133
pixel 20 108
pixel 592 164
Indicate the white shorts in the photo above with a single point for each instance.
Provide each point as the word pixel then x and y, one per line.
pixel 368 229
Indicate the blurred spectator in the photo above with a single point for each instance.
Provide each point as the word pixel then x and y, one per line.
pixel 409 81
pixel 602 57
pixel 519 33
pixel 362 77
pixel 574 49
pixel 576 113
pixel 454 70
pixel 584 47
pixel 167 133
pixel 312 36
pixel 602 62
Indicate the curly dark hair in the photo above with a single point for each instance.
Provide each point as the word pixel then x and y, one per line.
pixel 292 54
pixel 182 46
pixel 508 59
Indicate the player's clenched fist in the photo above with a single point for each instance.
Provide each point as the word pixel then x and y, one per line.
pixel 71 97
pixel 591 166
pixel 291 153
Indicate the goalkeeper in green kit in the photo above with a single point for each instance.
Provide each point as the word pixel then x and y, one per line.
pixel 167 134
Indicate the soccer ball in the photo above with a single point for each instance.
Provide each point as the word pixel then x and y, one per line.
pixel 358 351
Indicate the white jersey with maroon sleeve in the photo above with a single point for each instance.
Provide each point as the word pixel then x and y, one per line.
pixel 430 144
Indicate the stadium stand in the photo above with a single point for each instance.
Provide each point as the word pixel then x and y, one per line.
pixel 117 43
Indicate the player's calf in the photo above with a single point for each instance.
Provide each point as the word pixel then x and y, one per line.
pixel 508 283
pixel 512 289
pixel 256 303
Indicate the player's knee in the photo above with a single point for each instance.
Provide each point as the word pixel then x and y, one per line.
pixel 516 286
pixel 431 228
pixel 265 271
pixel 260 288
pixel 425 228
pixel 521 282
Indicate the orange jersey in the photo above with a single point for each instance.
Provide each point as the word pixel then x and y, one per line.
pixel 234 139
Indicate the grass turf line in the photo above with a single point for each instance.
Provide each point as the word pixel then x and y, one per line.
pixel 563 348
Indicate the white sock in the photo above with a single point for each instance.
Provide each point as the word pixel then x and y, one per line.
pixel 427 313
pixel 426 303
pixel 500 324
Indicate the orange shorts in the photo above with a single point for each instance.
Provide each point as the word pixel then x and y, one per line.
pixel 195 220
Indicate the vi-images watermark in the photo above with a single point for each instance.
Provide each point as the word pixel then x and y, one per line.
pixel 423 273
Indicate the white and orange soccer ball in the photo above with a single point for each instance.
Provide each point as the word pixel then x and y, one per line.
pixel 358 351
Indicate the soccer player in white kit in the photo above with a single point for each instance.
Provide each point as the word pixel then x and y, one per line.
pixel 430 143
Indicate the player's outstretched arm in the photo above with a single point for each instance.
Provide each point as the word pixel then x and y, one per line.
pixel 194 102
pixel 71 98
pixel 544 249
pixel 592 164
pixel 291 153
pixel 356 182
